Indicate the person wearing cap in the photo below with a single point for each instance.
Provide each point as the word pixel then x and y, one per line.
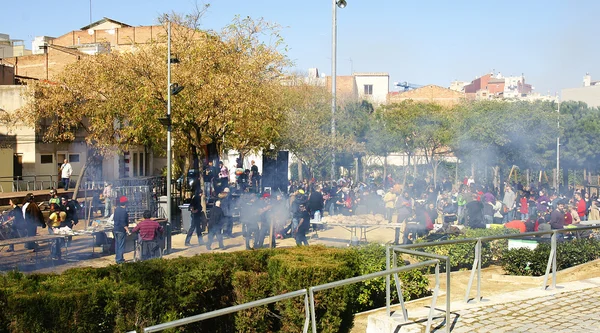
pixel 54 199
pixel 148 231
pixel 121 228
pixel 215 225
pixel 70 207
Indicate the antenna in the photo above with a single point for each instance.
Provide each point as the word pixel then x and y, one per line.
pixel 90 11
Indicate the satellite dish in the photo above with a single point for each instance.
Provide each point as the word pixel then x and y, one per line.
pixel 90 31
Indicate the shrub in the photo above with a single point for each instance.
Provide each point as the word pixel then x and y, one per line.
pixel 120 298
pixel 528 262
pixel 371 293
pixel 463 255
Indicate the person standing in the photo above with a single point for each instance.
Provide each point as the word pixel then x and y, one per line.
pixel 390 203
pixel 509 201
pixel 303 226
pixel 33 218
pixel 557 217
pixel 197 220
pixel 149 230
pixel 65 173
pixel 121 229
pixel 108 195
pixel 581 206
pixel 18 227
pixel 215 224
pixel 223 176
pixel 227 207
pixel 254 177
pixel 54 199
pixel 208 178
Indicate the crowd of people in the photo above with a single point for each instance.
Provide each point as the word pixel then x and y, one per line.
pixel 415 206
pixel 24 220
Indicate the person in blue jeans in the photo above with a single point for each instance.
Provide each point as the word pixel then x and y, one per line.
pixel 121 229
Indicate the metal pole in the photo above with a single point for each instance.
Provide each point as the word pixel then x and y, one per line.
pixel 169 162
pixel 478 270
pixel 553 246
pixel 313 316
pixel 333 83
pixel 448 295
pixel 387 281
pixel 558 150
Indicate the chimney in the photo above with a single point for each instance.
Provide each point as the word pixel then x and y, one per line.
pixel 587 80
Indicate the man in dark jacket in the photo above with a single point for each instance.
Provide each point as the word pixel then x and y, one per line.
pixel 249 218
pixel 474 214
pixel 227 206
pixel 215 224
pixel 557 217
pixel 121 228
pixel 70 207
pixel 197 220
pixel 315 204
pixel 303 226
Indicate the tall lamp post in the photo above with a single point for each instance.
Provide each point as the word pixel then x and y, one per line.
pixel 558 149
pixel 341 4
pixel 172 90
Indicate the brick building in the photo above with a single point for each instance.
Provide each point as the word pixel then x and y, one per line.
pixel 428 94
pixel 36 158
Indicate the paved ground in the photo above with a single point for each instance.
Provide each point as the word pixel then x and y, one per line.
pixel 572 307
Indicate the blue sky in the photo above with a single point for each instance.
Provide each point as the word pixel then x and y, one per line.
pixel 423 42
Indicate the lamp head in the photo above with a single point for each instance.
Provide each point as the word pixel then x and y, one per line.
pixel 176 89
pixel 341 3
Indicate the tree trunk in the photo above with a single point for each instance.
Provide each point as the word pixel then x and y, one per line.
pixel 356 170
pixel 456 175
pixel 434 166
pixel 565 176
pixel 528 180
pixel 88 160
pixel 384 171
pixel 300 176
pixel 473 170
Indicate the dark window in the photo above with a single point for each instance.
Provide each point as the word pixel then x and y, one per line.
pixel 74 158
pixel 368 89
pixel 47 159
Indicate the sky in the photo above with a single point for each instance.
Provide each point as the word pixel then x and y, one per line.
pixel 421 42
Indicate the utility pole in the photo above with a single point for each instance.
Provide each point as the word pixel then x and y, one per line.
pixel 169 162
pixel 558 148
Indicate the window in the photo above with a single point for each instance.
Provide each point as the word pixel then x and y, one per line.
pixel 368 89
pixel 73 158
pixel 47 159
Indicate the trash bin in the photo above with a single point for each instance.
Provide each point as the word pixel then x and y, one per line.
pixel 165 240
pixel 162 207
pixel 186 218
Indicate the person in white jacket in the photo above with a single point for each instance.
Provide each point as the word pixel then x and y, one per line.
pixel 65 173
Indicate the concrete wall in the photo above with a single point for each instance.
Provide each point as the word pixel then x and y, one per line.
pixel 7 75
pixel 589 95
pixel 6 169
pixel 380 83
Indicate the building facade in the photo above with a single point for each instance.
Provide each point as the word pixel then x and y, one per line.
pixel 588 93
pixel 428 94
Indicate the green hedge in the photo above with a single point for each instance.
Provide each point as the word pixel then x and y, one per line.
pixel 463 255
pixel 528 262
pixel 131 296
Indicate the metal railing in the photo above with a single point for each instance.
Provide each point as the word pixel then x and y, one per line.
pixel 476 269
pixel 386 273
pixel 31 183
pixel 398 285
pixel 235 308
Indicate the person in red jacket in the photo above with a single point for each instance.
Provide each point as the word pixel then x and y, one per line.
pixel 581 207
pixel 524 207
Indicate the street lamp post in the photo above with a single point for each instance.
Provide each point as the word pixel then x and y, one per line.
pixel 335 4
pixel 169 162
pixel 558 149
